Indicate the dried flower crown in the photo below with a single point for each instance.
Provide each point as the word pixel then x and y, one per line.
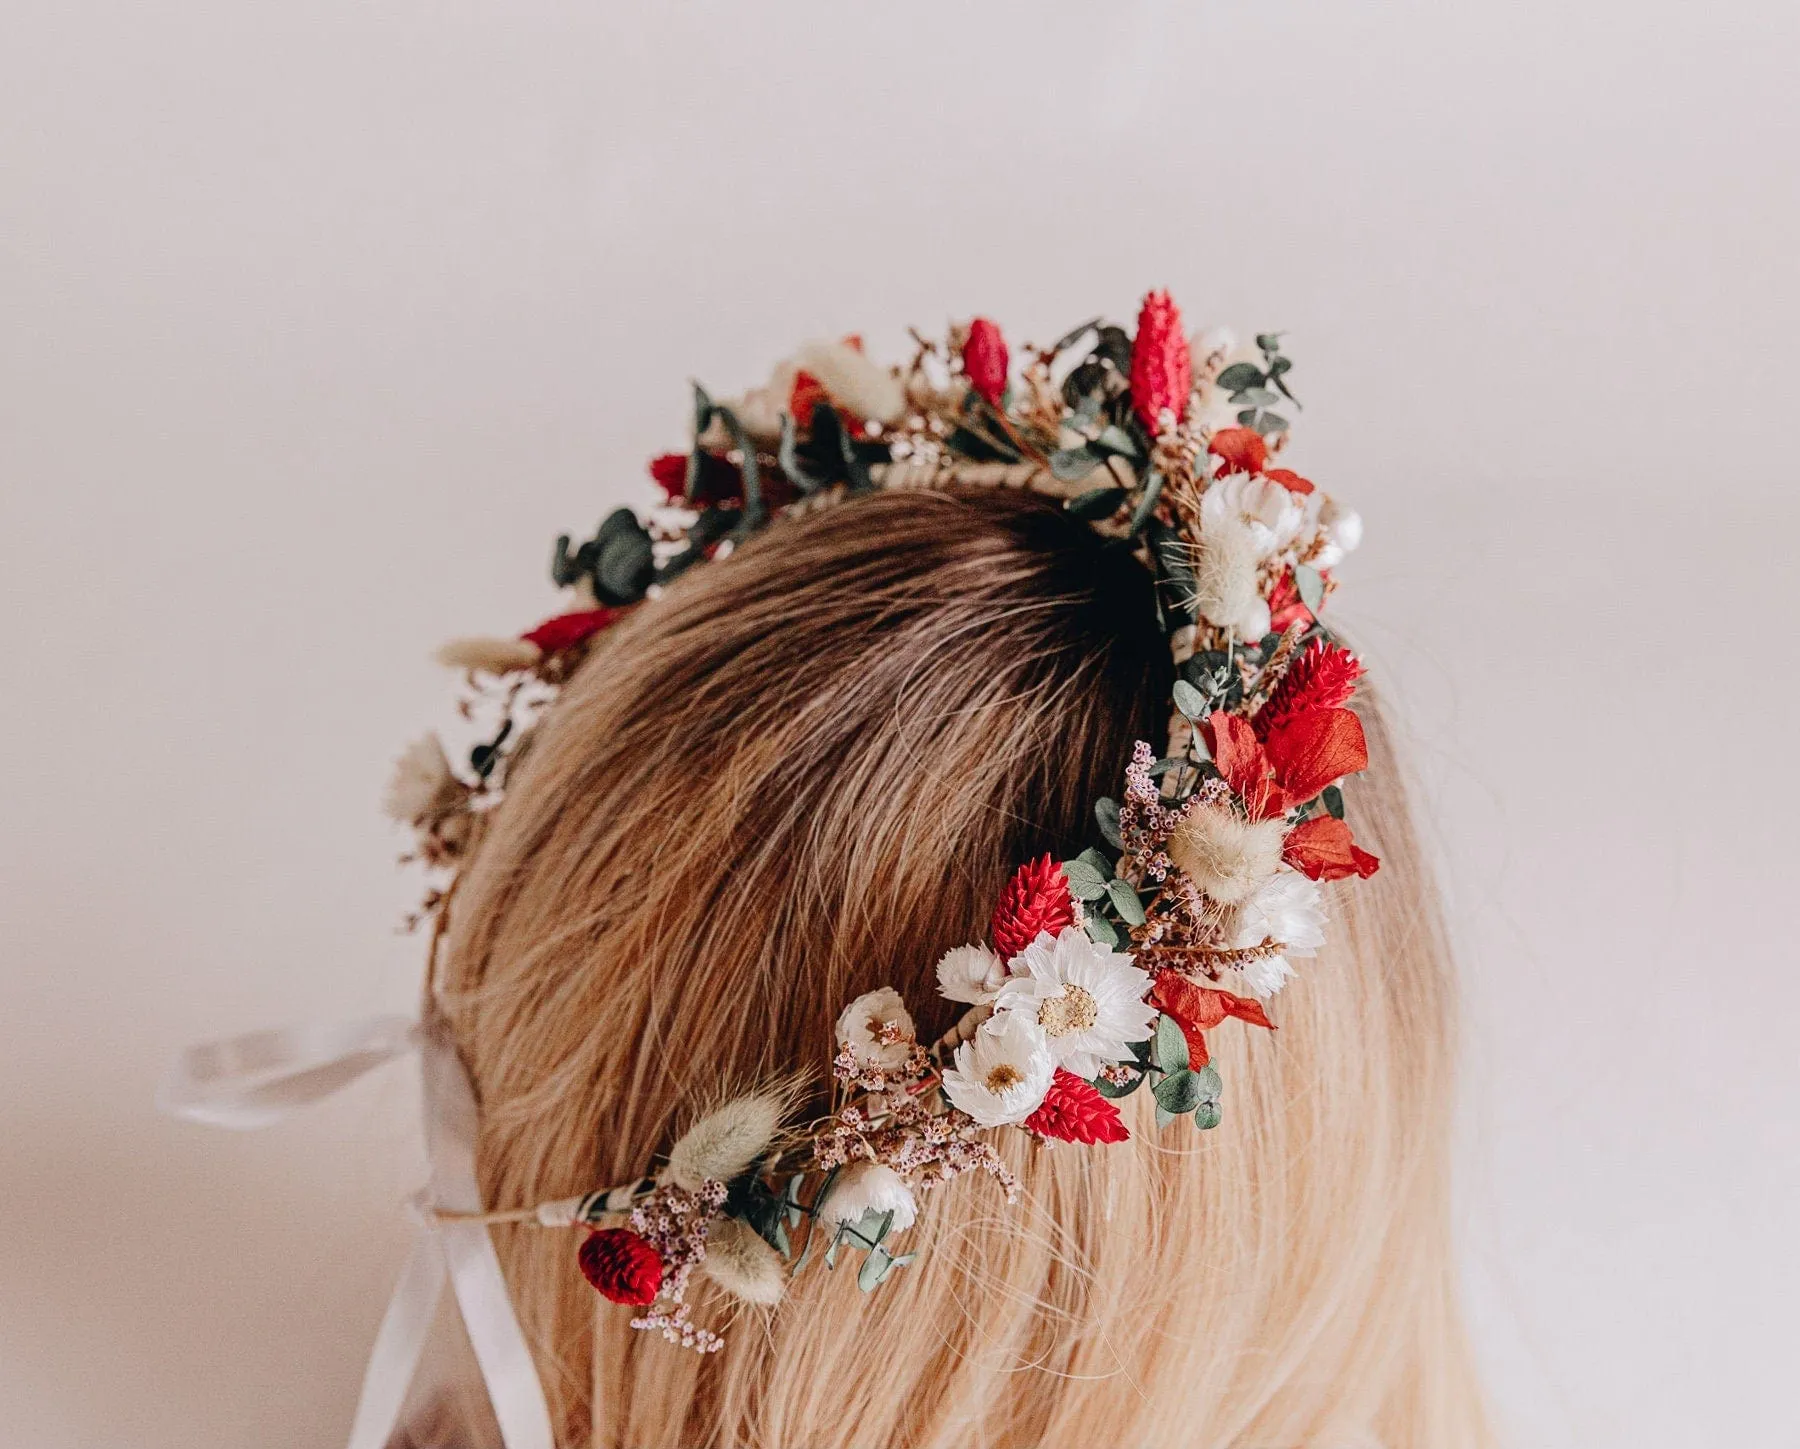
pixel 1103 973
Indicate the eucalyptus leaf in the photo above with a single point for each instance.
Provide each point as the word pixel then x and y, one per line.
pixel 1212 1085
pixel 1099 863
pixel 1117 440
pixel 1256 397
pixel 1145 511
pixel 1168 1047
pixel 1164 1118
pixel 791 467
pixel 1095 504
pixel 1207 1115
pixel 1106 815
pixel 1190 701
pixel 1085 883
pixel 1269 424
pixel 1121 1089
pixel 1334 802
pixel 1311 587
pixel 874 1269
pixel 1125 901
pixel 1073 335
pixel 1069 464
pixel 703 410
pixel 1178 1093
pixel 1102 930
pixel 1269 341
pixel 1241 375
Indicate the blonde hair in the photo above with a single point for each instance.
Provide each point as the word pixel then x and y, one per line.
pixel 807 772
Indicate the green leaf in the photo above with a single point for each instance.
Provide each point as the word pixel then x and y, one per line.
pixel 1117 440
pixel 1102 930
pixel 1073 335
pixel 1146 505
pixel 1085 883
pixel 1268 424
pixel 1241 375
pixel 1256 397
pixel 1190 701
pixel 1169 1048
pixel 1125 901
pixel 1277 366
pixel 703 410
pixel 1163 1119
pixel 781 1243
pixel 1100 865
pixel 1097 504
pixel 1269 341
pixel 1211 1083
pixel 874 1269
pixel 1310 585
pixel 1124 1089
pixel 1334 802
pixel 1069 464
pixel 870 1228
pixel 1106 815
pixel 1178 1093
pixel 1207 1115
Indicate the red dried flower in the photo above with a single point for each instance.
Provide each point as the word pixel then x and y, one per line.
pixel 1243 449
pixel 1074 1111
pixel 1289 480
pixel 1323 849
pixel 1198 1009
pixel 1286 606
pixel 565 631
pixel 720 481
pixel 984 360
pixel 622 1266
pixel 1312 749
pixel 1035 899
pixel 1323 677
pixel 1162 373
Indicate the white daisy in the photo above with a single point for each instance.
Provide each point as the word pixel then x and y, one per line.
pixel 1288 909
pixel 868 1187
pixel 878 1029
pixel 1002 1074
pixel 1086 998
pixel 970 973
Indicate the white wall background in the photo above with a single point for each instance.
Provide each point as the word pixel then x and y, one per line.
pixel 318 321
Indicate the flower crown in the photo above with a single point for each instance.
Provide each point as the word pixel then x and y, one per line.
pixel 1101 974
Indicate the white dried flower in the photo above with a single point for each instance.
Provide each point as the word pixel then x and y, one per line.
pixel 1226 568
pixel 423 785
pixel 489 656
pixel 760 409
pixel 1289 910
pixel 970 973
pixel 1272 513
pixel 862 388
pixel 724 1142
pixel 741 1263
pixel 1002 1074
pixel 1086 998
pixel 868 1187
pixel 1337 530
pixel 1225 855
pixel 878 1029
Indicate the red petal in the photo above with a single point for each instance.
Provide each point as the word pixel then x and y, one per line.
pixel 1288 479
pixel 1162 373
pixel 565 631
pixel 1323 677
pixel 1322 849
pixel 1243 449
pixel 1244 764
pixel 1315 748
pixel 1198 1009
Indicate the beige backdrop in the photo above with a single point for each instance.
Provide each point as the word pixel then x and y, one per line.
pixel 319 320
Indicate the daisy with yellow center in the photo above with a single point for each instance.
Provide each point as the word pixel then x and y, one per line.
pixel 1000 1075
pixel 1087 999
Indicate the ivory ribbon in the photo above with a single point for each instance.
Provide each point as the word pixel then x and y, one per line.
pixel 253 1080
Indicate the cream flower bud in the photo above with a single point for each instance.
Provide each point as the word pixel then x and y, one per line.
pixel 868 1187
pixel 878 1029
pixel 1225 855
pixel 970 973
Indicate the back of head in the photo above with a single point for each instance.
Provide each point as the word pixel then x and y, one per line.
pixel 807 772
